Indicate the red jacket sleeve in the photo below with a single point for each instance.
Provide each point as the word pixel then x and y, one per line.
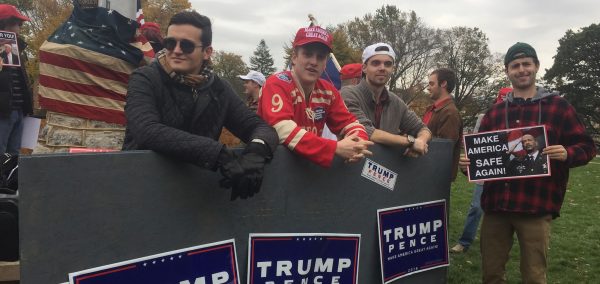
pixel 341 121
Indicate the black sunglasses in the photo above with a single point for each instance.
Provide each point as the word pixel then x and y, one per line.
pixel 186 45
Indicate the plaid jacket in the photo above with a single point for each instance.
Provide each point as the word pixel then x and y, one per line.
pixel 542 195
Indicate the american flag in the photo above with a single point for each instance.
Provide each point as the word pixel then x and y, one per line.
pixel 85 64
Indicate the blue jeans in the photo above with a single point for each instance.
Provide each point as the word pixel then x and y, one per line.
pixel 11 129
pixel 473 217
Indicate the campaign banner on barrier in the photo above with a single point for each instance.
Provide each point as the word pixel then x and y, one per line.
pixel 214 263
pixel 303 258
pixel 412 239
pixel 507 154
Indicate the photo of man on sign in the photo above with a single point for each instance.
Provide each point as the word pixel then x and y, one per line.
pixel 530 161
pixel 9 51
pixel 507 154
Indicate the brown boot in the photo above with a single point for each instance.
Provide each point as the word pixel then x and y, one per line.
pixel 458 248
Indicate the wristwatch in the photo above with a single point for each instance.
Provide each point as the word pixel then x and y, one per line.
pixel 411 140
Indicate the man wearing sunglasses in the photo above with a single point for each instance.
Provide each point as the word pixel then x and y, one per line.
pixel 298 104
pixel 177 106
pixel 387 119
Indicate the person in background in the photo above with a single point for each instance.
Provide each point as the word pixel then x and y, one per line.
pixel 151 31
pixel 442 117
pixel 16 100
pixel 253 82
pixel 350 74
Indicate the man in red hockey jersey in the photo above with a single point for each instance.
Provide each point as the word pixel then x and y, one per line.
pixel 298 103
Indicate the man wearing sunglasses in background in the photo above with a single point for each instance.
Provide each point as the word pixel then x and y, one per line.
pixel 177 106
pixel 386 117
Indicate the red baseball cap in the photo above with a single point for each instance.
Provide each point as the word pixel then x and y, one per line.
pixel 352 70
pixel 502 94
pixel 9 11
pixel 313 34
pixel 151 26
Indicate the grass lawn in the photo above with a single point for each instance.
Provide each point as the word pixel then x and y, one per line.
pixel 574 255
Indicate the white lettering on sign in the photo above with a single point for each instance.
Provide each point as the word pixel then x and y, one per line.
pixel 216 278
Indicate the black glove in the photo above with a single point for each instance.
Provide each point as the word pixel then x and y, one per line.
pixel 243 173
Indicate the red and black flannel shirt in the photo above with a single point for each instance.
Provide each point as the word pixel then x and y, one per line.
pixel 542 195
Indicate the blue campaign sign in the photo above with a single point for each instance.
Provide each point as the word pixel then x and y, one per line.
pixel 412 239
pixel 213 263
pixel 303 258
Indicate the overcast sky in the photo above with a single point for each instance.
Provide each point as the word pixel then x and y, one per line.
pixel 238 26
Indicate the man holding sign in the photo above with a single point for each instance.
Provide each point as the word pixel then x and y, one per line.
pixel 527 206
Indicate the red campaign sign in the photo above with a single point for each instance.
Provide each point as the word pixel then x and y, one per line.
pixel 507 154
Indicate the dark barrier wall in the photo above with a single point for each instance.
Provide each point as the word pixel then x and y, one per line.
pixel 86 210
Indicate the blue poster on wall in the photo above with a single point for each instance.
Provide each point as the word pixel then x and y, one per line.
pixel 303 258
pixel 213 263
pixel 412 239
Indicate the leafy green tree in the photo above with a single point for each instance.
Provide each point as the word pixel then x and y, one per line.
pixel 287 57
pixel 161 11
pixel 262 61
pixel 412 40
pixel 486 94
pixel 576 73
pixel 465 50
pixel 228 66
pixel 344 53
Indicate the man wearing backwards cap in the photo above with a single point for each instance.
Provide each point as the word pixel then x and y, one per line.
pixel 253 81
pixel 527 206
pixel 351 74
pixel 298 104
pixel 384 114
pixel 15 92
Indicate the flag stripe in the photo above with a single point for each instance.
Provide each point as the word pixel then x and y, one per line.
pixel 88 56
pixel 79 65
pixel 75 98
pixel 90 112
pixel 82 78
pixel 83 89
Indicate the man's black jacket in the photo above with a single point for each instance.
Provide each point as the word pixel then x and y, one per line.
pixel 179 121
